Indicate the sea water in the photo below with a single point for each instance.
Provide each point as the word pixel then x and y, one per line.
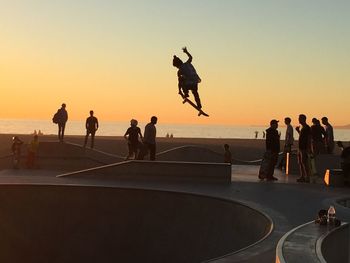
pixel 118 128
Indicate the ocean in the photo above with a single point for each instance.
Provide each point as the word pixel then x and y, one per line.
pixel 117 128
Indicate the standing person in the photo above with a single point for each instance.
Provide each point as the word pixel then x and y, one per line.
pixel 329 141
pixel 304 149
pixel 149 140
pixel 60 118
pixel 132 136
pixel 227 154
pixel 271 155
pixel 32 152
pixel 188 78
pixel 288 143
pixel 16 151
pixel 91 126
pixel 318 134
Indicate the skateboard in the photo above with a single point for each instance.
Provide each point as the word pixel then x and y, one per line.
pixel 200 111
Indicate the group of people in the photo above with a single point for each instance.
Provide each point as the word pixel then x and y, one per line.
pixel 312 141
pixel 139 146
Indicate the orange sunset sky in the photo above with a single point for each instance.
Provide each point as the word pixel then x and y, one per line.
pixel 258 60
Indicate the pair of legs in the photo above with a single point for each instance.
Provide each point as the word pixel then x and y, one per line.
pixel 88 132
pixel 194 89
pixel 304 168
pixel 267 167
pixel 147 147
pixel 61 127
pixel 133 150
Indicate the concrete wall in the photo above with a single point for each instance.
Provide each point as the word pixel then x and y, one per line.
pixel 41 223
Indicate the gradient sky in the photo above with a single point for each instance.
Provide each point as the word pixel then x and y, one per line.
pixel 258 59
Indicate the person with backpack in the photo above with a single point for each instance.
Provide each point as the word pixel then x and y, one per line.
pixel 188 78
pixel 60 118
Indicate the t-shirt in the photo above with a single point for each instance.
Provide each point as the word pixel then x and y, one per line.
pixel 133 133
pixel 304 137
pixel 150 133
pixel 91 123
pixel 289 139
pixel 188 75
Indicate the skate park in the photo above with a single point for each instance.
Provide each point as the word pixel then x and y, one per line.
pixel 92 206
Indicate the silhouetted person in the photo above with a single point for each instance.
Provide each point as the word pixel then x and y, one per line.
pixel 91 126
pixel 272 149
pixel 132 135
pixel 149 140
pixel 329 135
pixel 227 154
pixel 318 134
pixel 304 149
pixel 32 152
pixel 288 143
pixel 16 151
pixel 61 118
pixel 256 134
pixel 188 78
pixel 264 134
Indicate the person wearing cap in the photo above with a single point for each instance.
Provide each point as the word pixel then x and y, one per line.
pixel 132 135
pixel 188 78
pixel 91 126
pixel 271 155
pixel 288 143
pixel 61 118
pixel 305 149
pixel 329 135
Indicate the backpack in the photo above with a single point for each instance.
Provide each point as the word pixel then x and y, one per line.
pixel 56 118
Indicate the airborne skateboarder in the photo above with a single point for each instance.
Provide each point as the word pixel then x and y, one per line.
pixel 187 77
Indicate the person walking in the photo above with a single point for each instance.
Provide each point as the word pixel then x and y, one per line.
pixel 329 141
pixel 60 118
pixel 304 149
pixel 149 140
pixel 132 135
pixel 91 126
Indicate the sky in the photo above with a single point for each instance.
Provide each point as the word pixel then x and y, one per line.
pixel 258 59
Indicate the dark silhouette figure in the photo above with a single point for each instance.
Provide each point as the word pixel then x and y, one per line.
pixel 188 78
pixel 227 154
pixel 91 126
pixel 149 140
pixel 16 151
pixel 329 135
pixel 267 167
pixel 132 136
pixel 32 152
pixel 305 149
pixel 288 143
pixel 264 134
pixel 61 118
pixel 256 134
pixel 318 134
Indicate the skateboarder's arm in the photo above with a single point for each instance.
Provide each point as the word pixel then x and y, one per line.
pixel 188 54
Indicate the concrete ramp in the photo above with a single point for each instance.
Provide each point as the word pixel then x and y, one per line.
pixel 159 170
pixel 42 223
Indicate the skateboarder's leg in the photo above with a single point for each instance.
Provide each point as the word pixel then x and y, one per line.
pixel 196 95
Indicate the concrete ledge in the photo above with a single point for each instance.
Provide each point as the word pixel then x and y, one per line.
pixel 183 171
pixel 303 244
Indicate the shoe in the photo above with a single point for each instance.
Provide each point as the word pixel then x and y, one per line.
pixel 301 179
pixel 186 95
